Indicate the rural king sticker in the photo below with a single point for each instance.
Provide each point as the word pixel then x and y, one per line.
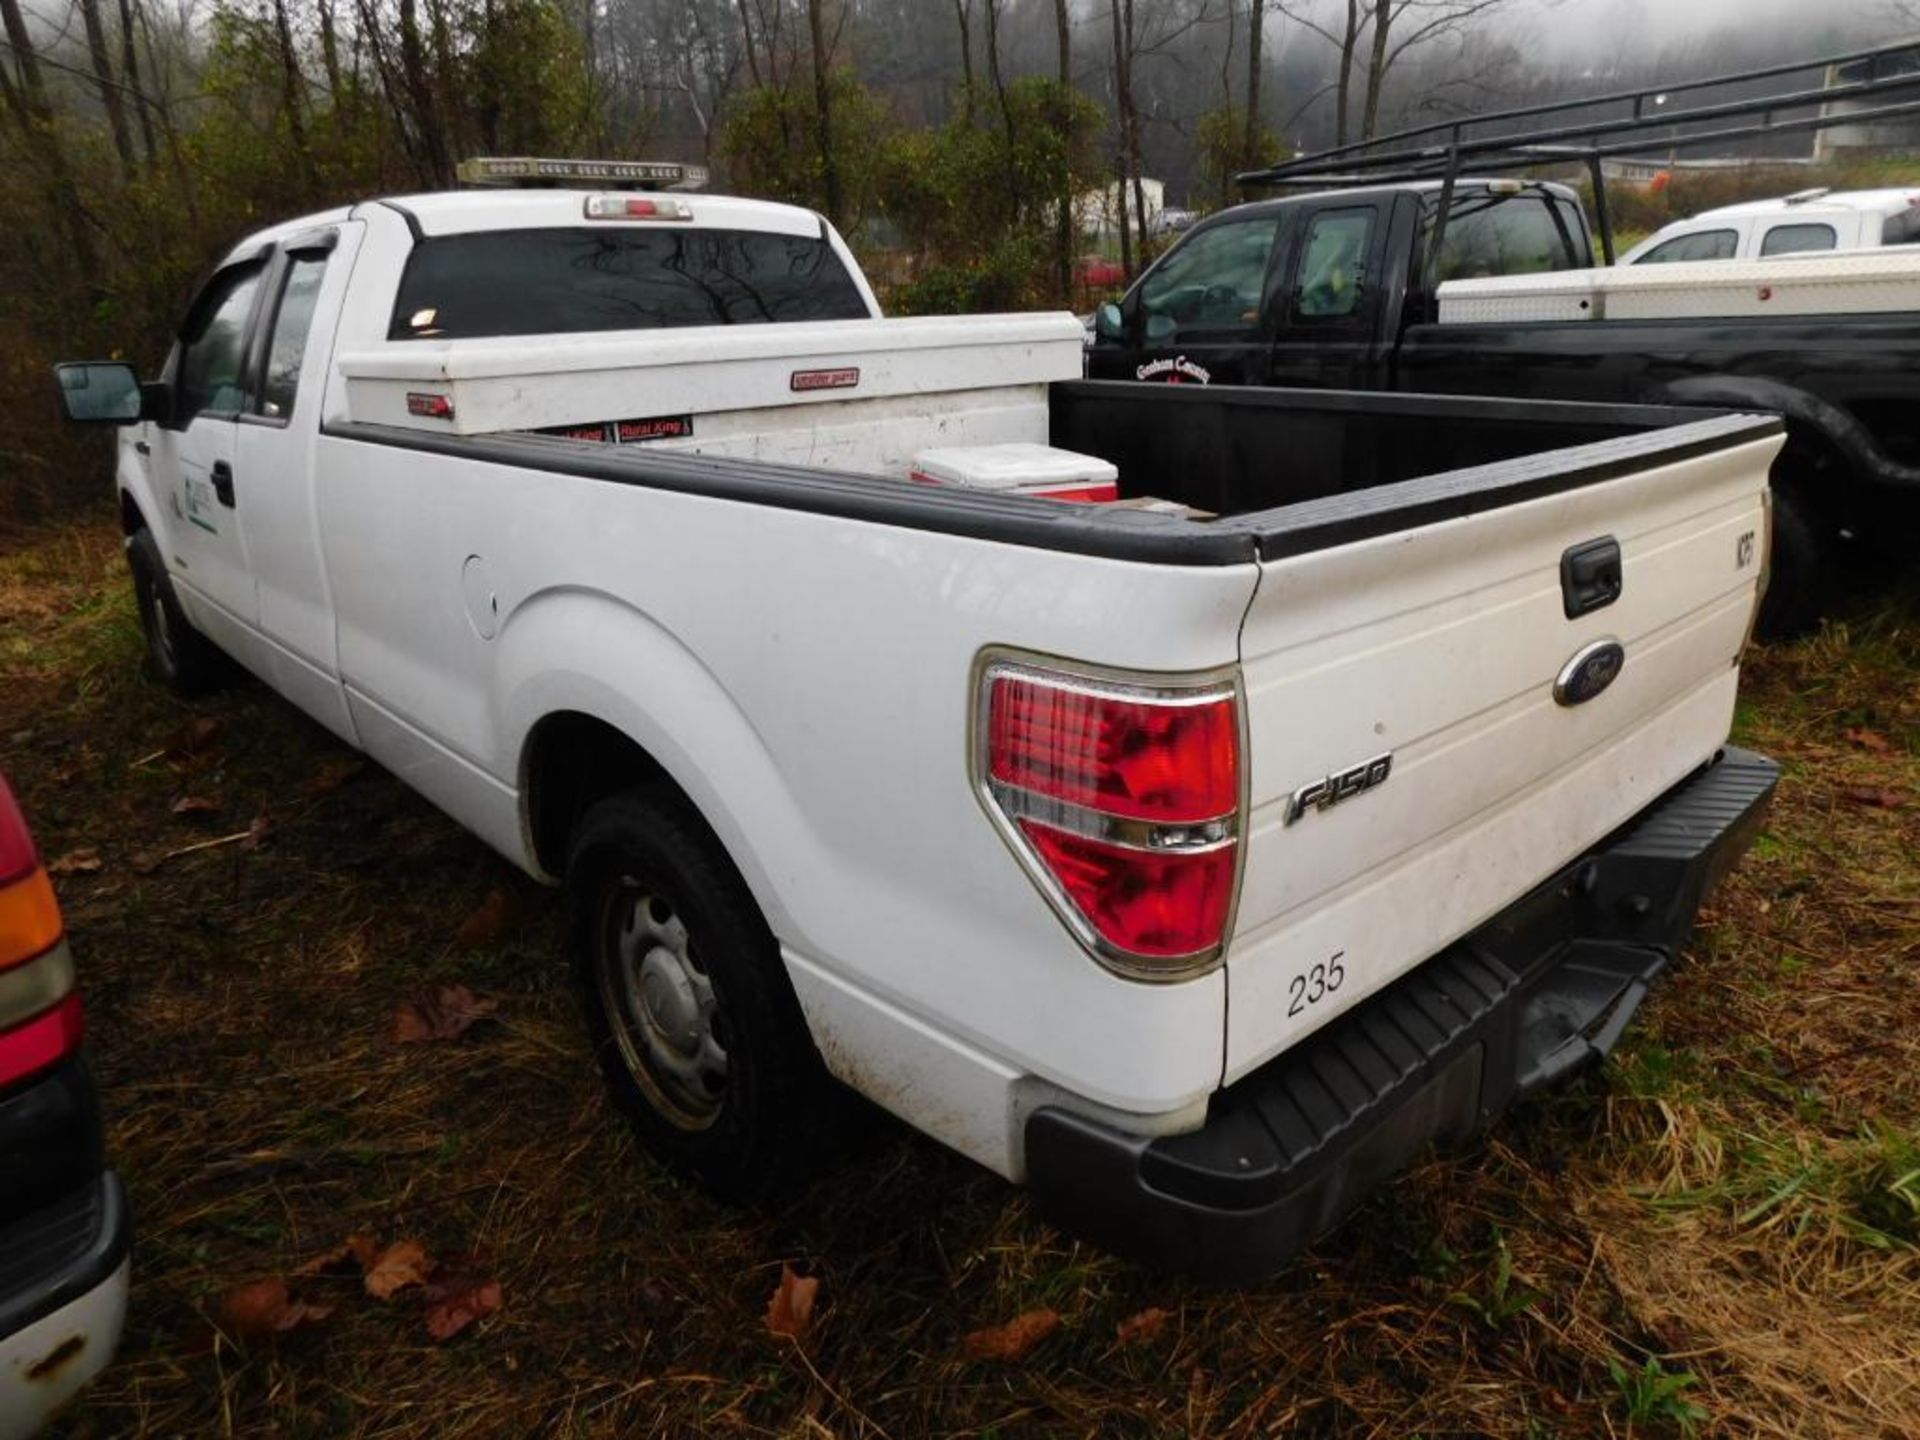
pixel 658 427
pixel 626 432
pixel 843 378
pixel 1174 371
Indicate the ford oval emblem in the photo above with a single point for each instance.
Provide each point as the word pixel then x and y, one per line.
pixel 1592 669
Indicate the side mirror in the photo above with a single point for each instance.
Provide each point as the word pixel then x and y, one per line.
pixel 1108 323
pixel 99 392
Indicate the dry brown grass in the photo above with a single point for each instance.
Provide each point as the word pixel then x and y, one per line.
pixel 1724 1201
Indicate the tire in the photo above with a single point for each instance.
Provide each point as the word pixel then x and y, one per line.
pixel 178 656
pixel 687 1002
pixel 1799 582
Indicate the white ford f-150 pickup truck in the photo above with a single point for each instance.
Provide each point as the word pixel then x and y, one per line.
pixel 1191 802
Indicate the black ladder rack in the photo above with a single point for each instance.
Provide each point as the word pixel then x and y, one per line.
pixel 1656 118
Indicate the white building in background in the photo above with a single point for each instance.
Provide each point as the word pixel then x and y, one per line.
pixel 1899 135
pixel 1097 212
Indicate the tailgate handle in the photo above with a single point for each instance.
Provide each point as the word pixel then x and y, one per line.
pixel 1590 576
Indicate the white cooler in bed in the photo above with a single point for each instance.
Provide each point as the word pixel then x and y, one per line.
pixel 1019 468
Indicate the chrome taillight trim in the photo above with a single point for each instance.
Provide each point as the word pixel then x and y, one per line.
pixel 1006 804
pixel 1129 834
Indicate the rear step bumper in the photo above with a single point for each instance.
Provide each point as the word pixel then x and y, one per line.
pixel 1543 988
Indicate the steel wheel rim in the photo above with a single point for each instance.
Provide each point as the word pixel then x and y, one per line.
pixel 661 1006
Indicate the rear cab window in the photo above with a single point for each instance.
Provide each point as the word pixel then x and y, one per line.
pixel 1902 228
pixel 1798 238
pixel 1525 234
pixel 1703 245
pixel 578 280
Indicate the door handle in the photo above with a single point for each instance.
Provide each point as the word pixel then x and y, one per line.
pixel 140 447
pixel 223 483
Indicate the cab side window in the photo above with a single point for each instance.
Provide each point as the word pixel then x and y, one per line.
pixel 292 321
pixel 1333 264
pixel 1703 245
pixel 1793 239
pixel 1212 283
pixel 213 348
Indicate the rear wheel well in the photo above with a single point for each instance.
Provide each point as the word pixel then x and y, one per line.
pixel 131 520
pixel 571 762
pixel 1809 461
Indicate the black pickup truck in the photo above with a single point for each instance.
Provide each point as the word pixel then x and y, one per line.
pixel 1335 290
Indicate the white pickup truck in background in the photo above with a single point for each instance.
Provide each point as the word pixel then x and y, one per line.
pixel 1805 222
pixel 1196 856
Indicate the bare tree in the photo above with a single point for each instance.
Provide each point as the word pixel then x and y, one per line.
pixel 1403 25
pixel 1256 25
pixel 823 105
pixel 1063 222
pixel 104 81
pixel 746 39
pixel 130 75
pixel 1123 105
pixel 963 12
pixel 26 99
pixel 292 88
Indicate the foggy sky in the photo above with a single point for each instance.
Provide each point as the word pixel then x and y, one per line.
pixel 1568 30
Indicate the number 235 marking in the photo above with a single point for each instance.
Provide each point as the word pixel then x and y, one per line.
pixel 1318 983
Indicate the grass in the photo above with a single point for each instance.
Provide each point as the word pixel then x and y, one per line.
pixel 1716 1235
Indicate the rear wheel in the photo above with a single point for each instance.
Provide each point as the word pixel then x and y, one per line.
pixel 178 655
pixel 687 1001
pixel 1800 564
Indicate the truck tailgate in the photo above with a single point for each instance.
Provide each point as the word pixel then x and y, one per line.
pixel 1439 646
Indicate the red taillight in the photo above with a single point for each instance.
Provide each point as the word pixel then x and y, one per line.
pixel 1163 905
pixel 40 1017
pixel 1140 759
pixel 1124 800
pixel 43 1041
pixel 17 855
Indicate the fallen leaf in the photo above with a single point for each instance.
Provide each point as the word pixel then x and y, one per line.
pixel 264 1309
pixel 402 1264
pixel 1870 740
pixel 194 805
pixel 76 862
pixel 444 1013
pixel 332 775
pixel 455 1307
pixel 145 862
pixel 1876 795
pixel 1014 1339
pixel 361 1250
pixel 790 1310
pixel 194 736
pixel 488 921
pixel 258 831
pixel 1144 1327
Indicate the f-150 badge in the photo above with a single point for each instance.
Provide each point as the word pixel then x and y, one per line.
pixel 1324 794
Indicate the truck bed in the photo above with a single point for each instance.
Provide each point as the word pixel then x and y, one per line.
pixel 1864 282
pixel 1279 472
